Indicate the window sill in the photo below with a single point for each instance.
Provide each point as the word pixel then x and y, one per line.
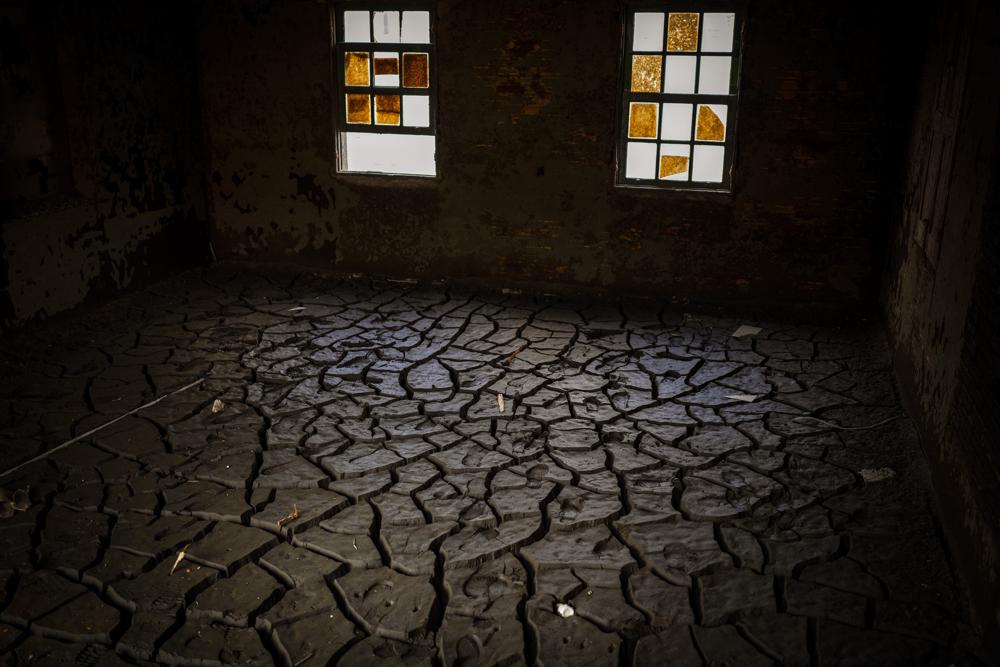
pixel 377 179
pixel 687 194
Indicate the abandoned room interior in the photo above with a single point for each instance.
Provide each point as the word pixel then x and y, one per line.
pixel 467 332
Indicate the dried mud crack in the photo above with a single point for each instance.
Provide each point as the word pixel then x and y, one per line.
pixel 347 490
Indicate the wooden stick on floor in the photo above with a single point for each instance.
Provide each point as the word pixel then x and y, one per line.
pixel 98 428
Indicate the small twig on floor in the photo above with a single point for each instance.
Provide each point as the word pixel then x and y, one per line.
pixel 513 355
pixel 98 428
pixel 180 557
pixel 292 516
pixel 847 428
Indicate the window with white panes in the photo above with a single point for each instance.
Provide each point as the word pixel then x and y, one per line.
pixel 385 111
pixel 679 96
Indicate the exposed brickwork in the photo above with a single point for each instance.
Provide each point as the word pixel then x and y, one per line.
pixel 942 298
pixel 528 94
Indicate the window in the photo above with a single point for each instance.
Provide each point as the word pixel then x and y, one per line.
pixel 678 103
pixel 385 106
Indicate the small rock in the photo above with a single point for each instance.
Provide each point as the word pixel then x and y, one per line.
pixel 564 610
pixel 877 474
pixel 745 330
pixel 218 406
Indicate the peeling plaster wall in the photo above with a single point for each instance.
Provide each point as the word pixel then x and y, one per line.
pixel 104 96
pixel 942 299
pixel 528 95
pixel 65 257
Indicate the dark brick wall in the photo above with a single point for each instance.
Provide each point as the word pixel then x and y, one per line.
pixel 528 92
pixel 973 434
pixel 942 296
pixel 32 138
pixel 107 93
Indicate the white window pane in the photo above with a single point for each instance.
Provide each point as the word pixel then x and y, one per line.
pixel 386 25
pixel 708 163
pixel 680 74
pixel 416 28
pixel 647 33
pixel 677 164
pixel 717 33
pixel 675 123
pixel 416 110
pixel 387 57
pixel 390 153
pixel 640 160
pixel 714 77
pixel 357 27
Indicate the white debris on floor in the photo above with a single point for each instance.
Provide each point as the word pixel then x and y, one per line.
pixel 746 398
pixel 745 330
pixel 564 610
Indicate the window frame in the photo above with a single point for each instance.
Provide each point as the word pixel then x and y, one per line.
pixel 340 47
pixel 626 96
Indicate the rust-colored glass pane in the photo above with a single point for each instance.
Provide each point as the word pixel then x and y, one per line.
pixel 387 65
pixel 387 109
pixel 672 164
pixel 359 109
pixel 646 74
pixel 415 70
pixel 356 69
pixel 682 32
pixel 710 126
pixel 642 121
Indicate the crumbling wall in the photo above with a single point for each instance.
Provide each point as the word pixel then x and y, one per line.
pixel 941 299
pixel 102 179
pixel 526 112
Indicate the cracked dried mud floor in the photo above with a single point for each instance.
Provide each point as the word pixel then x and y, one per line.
pixel 359 497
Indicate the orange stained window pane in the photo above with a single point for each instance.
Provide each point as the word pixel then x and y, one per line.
pixel 356 69
pixel 416 70
pixel 385 65
pixel 359 109
pixel 710 126
pixel 646 74
pixel 672 164
pixel 642 121
pixel 387 109
pixel 682 32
